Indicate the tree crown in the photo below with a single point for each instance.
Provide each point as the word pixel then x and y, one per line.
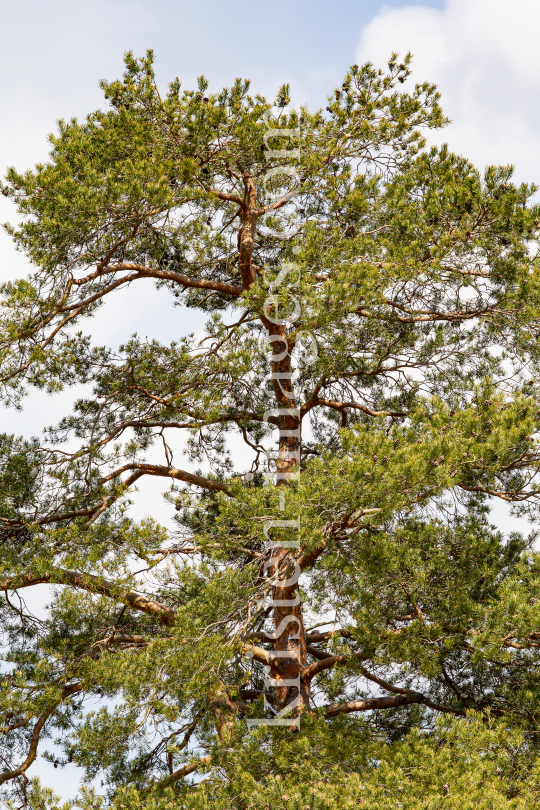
pixel 372 312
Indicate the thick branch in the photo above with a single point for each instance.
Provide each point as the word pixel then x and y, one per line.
pixel 36 732
pixel 184 770
pixel 261 655
pixel 92 584
pixel 180 278
pixel 328 662
pixel 320 655
pixel 341 406
pixel 169 472
pixel 391 702
pixel 306 560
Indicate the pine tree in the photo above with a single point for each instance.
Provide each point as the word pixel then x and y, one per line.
pixel 335 622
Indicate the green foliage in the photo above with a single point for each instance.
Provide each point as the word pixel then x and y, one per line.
pixel 411 285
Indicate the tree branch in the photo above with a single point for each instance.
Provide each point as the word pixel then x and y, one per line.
pixel 36 732
pixel 328 662
pixel 341 406
pixel 390 702
pixel 184 770
pixel 92 584
pixel 169 472
pixel 307 559
pixel 168 275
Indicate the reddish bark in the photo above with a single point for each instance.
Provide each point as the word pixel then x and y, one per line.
pixel 290 632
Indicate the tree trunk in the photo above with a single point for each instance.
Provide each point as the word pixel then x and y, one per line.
pixel 288 615
pixel 290 639
pixel 290 633
pixel 246 234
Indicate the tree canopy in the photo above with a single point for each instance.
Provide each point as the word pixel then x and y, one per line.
pixel 330 619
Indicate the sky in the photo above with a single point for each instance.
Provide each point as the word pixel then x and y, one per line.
pixel 483 55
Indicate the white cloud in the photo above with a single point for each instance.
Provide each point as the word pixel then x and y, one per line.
pixel 484 57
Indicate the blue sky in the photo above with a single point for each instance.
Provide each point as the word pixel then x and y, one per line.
pixel 55 53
